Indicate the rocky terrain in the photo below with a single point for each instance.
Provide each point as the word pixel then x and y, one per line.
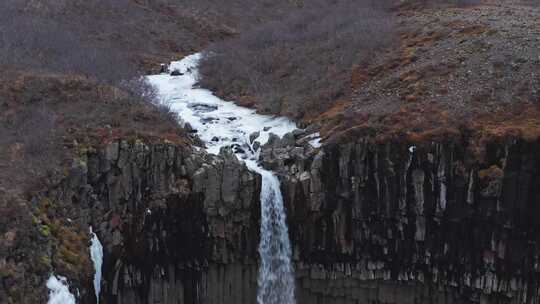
pixel 472 68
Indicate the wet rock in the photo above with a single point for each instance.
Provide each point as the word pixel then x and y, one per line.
pixel 176 73
pixel 208 120
pixel 163 68
pixel 230 178
pixel 312 128
pixel 298 133
pixel 238 149
pixel 189 128
pixel 203 108
pixel 254 136
pixel 288 140
pixel 256 145
pixel 273 141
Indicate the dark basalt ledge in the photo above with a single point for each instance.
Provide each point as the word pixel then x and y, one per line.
pixel 369 223
pixel 394 223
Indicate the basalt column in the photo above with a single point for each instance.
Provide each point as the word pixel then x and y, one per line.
pixel 399 222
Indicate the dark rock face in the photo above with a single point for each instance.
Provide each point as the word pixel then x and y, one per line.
pixel 397 224
pixel 177 225
pixel 369 223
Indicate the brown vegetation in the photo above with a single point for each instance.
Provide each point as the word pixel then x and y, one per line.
pixel 301 64
pixel 109 39
pixel 45 120
pixel 45 113
pixel 458 72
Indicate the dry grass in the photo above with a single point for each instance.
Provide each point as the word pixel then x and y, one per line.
pixel 420 4
pixel 300 65
pixel 458 73
pixel 521 120
pixel 491 173
pixel 46 113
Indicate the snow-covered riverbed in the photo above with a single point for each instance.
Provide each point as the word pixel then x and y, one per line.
pixel 218 123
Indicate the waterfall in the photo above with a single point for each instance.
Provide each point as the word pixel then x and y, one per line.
pixel 96 254
pixel 276 276
pixel 220 124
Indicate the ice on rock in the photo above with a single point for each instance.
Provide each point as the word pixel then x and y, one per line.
pixel 59 291
pixel 96 254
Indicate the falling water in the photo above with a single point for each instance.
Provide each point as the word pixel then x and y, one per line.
pixel 96 254
pixel 276 276
pixel 223 124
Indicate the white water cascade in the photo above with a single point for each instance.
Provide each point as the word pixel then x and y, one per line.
pixel 276 276
pixel 223 124
pixel 96 254
pixel 59 291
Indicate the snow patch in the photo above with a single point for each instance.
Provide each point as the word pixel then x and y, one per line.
pixel 59 291
pixel 316 141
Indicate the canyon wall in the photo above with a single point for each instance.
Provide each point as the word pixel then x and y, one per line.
pixel 445 222
pixel 396 223
pixel 177 225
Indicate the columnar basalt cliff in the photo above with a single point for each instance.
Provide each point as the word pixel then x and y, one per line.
pixel 438 222
pixel 369 222
pixel 177 225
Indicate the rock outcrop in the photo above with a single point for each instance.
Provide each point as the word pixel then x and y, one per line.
pixel 398 223
pixel 177 225
pixel 369 222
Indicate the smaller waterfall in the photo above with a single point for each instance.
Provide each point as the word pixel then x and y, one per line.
pixel 96 254
pixel 59 291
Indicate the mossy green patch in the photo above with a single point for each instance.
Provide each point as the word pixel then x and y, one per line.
pixel 45 230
